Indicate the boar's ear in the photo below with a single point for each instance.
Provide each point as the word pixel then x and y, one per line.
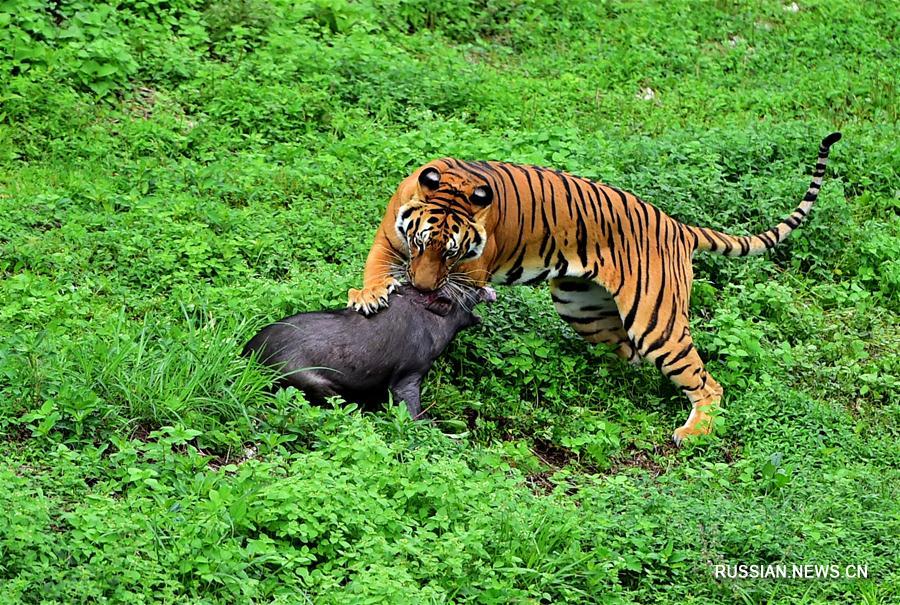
pixel 440 306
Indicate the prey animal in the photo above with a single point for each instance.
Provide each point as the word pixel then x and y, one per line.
pixel 343 353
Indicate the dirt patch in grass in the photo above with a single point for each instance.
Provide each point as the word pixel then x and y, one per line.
pixel 553 455
pixel 653 461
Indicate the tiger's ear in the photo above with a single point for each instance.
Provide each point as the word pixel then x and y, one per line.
pixel 482 196
pixel 430 178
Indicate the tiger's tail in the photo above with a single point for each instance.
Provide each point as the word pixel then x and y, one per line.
pixel 729 245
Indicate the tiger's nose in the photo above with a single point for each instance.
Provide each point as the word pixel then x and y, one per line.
pixel 425 283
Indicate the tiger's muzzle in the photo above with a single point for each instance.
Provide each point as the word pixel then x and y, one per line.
pixel 428 271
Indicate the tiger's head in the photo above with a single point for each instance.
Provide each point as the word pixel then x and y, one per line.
pixel 443 224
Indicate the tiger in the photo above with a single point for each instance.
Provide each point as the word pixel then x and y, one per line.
pixel 620 270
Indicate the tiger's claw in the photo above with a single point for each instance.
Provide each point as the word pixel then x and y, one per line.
pixel 369 301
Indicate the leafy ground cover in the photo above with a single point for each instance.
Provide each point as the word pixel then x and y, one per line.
pixel 175 174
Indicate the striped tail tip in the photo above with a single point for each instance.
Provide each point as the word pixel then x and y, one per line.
pixel 831 139
pixel 722 243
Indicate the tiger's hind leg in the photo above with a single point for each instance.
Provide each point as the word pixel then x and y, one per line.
pixel 653 302
pixel 657 323
pixel 591 311
pixel 678 360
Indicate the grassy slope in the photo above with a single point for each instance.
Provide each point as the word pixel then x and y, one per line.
pixel 234 173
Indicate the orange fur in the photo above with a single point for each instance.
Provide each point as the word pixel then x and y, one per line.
pixel 619 269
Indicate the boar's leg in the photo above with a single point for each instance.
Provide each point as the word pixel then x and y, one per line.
pixel 316 387
pixel 407 389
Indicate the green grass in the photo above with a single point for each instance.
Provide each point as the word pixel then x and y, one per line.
pixel 174 175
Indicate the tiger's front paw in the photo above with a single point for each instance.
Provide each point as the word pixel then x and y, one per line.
pixel 369 301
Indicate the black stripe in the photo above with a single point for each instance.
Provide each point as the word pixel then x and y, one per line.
pixel 467 168
pixel 658 216
pixel 452 202
pixel 596 308
pixel 573 286
pixel 515 188
pixel 659 361
pixel 548 257
pixel 605 224
pixel 654 316
pixel 586 202
pixel 726 239
pixel 677 371
pixel 552 195
pixel 590 275
pixel 664 337
pixel 581 235
pixel 768 241
pixel 517 269
pixel 628 320
pixel 546 223
pixel 562 177
pixel 504 197
pixel 713 245
pixel 600 312
pixel 625 242
pixel 537 279
pixel 579 320
pixel 682 354
pixel 562 264
pixel 527 174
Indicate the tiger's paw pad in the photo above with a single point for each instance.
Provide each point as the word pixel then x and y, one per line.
pixel 369 301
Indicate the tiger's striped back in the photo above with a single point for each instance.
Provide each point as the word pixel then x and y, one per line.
pixel 575 226
pixel 620 269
